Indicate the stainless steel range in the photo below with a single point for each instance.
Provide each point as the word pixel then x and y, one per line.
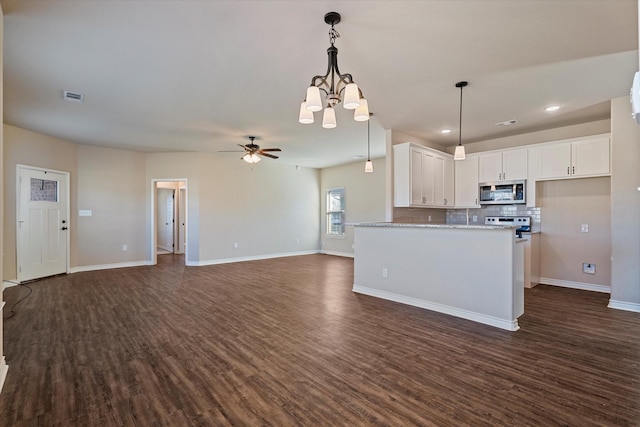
pixel 522 224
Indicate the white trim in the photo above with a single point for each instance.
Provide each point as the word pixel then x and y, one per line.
pixel 575 285
pixel 344 254
pixel 249 258
pixel 4 368
pixel 108 266
pixel 8 284
pixel 509 325
pixel 623 305
pixel 154 210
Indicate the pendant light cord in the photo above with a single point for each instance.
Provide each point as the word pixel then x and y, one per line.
pixel 460 126
pixel 368 141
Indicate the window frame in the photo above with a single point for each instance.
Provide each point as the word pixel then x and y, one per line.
pixel 331 213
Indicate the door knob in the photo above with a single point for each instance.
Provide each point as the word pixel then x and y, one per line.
pixel 63 228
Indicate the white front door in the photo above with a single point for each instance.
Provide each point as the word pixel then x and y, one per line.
pixel 43 223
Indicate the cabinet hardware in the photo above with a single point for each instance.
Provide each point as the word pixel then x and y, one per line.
pixel 574 170
pixel 568 171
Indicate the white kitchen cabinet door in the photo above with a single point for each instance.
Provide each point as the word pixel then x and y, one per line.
pixel 555 161
pixel 417 177
pixel 490 169
pixel 466 182
pixel 449 180
pixel 514 165
pixel 508 165
pixel 590 157
pixel 428 179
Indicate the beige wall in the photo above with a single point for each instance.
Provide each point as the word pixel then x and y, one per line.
pixel 34 149
pixel 556 134
pixel 267 209
pixel 625 206
pixel 365 200
pixel 565 206
pixel 110 183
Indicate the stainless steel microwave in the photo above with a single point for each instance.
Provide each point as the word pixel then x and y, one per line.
pixel 502 193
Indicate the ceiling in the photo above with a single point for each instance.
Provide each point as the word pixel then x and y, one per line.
pixel 203 75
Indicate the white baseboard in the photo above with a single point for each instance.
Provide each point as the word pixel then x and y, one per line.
pixel 623 305
pixel 4 368
pixel 575 285
pixel 108 266
pixel 9 283
pixel 343 254
pixel 509 325
pixel 248 258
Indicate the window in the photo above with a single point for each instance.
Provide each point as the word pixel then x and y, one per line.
pixel 335 212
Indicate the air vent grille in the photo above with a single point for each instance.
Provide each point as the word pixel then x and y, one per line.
pixel 67 95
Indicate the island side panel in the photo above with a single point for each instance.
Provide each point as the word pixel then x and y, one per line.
pixel 464 272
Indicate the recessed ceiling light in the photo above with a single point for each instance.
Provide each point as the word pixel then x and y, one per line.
pixel 552 108
pixel 445 131
pixel 507 122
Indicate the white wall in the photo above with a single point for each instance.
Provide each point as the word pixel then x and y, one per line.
pixel 365 200
pixel 625 207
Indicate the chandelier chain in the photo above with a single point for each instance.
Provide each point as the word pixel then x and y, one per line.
pixel 333 35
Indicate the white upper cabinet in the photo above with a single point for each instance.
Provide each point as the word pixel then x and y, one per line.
pixel 575 159
pixel 422 177
pixel 507 165
pixel 466 182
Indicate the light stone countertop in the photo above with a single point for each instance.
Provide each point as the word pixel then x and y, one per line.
pixel 408 225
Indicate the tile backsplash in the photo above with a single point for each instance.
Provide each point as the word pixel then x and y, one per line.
pixel 459 216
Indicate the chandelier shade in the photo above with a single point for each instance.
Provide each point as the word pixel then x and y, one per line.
pixel 335 86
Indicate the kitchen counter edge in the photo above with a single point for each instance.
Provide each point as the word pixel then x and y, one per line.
pixel 409 225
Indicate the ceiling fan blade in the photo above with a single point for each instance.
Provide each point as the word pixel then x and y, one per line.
pixel 267 154
pixel 271 149
pixel 244 147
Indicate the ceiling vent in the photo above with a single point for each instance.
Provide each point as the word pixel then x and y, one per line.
pixel 72 96
pixel 507 122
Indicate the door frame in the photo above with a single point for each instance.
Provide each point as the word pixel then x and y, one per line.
pixel 154 212
pixel 19 168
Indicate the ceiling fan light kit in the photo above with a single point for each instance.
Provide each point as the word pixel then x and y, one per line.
pixel 337 88
pixel 253 151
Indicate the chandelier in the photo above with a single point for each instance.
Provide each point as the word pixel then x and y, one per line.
pixel 337 88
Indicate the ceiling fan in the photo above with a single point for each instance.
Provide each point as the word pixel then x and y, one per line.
pixel 253 150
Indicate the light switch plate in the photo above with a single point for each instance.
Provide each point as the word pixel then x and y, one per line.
pixel 584 228
pixel 85 212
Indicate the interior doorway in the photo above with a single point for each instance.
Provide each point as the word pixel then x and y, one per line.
pixel 169 218
pixel 42 228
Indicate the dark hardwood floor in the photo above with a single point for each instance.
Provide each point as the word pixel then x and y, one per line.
pixel 286 342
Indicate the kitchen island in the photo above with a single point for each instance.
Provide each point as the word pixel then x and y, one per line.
pixel 471 271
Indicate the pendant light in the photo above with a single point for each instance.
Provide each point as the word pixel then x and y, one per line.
pixel 368 166
pixel 459 153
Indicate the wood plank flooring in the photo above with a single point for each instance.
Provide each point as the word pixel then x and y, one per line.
pixel 286 342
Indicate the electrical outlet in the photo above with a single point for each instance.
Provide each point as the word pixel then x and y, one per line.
pixel 125 248
pixel 298 240
pixel 588 268
pixel 429 218
pixel 235 245
pixel 584 228
pixel 385 273
pixel 474 218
